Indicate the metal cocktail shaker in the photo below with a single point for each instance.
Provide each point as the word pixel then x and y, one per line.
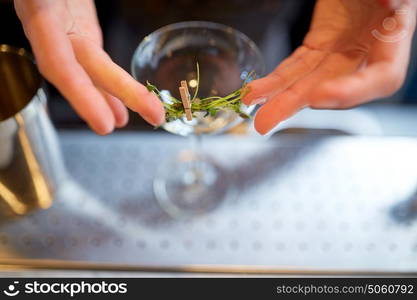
pixel 31 164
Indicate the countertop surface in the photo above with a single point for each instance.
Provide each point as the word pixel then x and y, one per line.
pixel 302 204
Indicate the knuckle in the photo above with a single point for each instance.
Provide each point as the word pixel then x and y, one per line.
pixel 281 79
pixel 48 66
pixel 393 83
pixel 396 84
pixel 305 63
pixel 43 68
pixel 294 92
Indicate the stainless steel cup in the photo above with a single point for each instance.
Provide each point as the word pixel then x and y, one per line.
pixel 31 165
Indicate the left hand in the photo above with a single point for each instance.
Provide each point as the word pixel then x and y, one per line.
pixel 355 51
pixel 67 43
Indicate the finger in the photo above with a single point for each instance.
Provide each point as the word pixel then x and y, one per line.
pixel 279 108
pixel 376 81
pixel 120 112
pixel 254 92
pixel 384 75
pixel 116 81
pixel 254 88
pixel 295 55
pixel 56 61
pixel 298 96
pixel 284 76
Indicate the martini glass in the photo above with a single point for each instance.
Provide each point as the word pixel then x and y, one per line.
pixel 192 182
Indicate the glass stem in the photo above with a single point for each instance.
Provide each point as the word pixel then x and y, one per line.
pixel 196 166
pixel 196 142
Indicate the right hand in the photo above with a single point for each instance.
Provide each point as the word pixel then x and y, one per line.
pixel 342 62
pixel 67 43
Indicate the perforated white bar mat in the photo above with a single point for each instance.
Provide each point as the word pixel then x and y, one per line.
pixel 303 203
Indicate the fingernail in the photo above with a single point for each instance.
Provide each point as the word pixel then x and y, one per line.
pixel 148 119
pixel 151 120
pixel 260 100
pixel 104 129
pixel 156 113
pixel 121 124
pixel 161 119
pixel 262 131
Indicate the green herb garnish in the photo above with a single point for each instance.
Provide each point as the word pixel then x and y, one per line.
pixel 210 106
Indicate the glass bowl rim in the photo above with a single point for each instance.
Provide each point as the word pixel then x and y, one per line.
pixel 196 24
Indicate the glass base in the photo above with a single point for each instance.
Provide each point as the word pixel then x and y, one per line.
pixel 191 185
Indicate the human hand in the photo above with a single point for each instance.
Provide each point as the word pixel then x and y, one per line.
pixel 66 40
pixel 355 51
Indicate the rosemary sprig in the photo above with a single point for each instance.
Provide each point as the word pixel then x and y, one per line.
pixel 174 109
